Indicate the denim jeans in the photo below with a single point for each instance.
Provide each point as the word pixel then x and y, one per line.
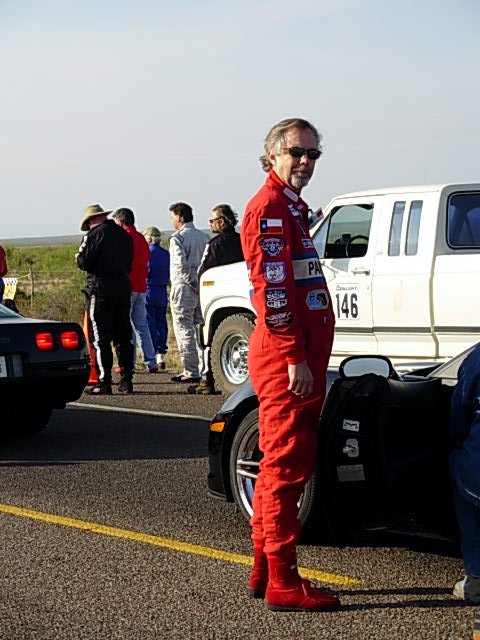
pixel 468 516
pixel 138 319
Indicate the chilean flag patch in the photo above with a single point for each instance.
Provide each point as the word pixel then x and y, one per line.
pixel 271 225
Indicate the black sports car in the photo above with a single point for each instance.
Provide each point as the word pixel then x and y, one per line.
pixel 382 461
pixel 43 365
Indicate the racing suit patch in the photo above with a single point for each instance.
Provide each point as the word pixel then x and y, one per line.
pixel 300 224
pixel 271 225
pixel 276 298
pixel 308 271
pixel 294 211
pixel 317 299
pixel 274 272
pixel 272 246
pixel 307 243
pixel 277 320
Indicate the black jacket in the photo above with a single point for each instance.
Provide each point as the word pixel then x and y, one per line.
pixel 106 255
pixel 222 249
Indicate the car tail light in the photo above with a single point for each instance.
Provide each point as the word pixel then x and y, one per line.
pixel 70 339
pixel 45 341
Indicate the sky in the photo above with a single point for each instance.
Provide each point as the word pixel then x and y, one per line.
pixel 143 103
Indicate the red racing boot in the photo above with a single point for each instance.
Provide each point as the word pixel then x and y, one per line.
pixel 259 576
pixel 286 591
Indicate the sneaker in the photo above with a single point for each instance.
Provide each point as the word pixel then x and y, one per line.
pixel 160 359
pixel 125 386
pixel 101 389
pixel 181 377
pixel 205 388
pixel 468 589
pixel 153 369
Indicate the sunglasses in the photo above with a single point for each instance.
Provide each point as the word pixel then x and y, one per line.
pixel 298 152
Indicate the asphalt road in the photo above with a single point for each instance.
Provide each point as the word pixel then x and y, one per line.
pixel 107 533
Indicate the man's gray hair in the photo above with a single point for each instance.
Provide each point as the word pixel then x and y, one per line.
pixel 276 138
pixel 124 215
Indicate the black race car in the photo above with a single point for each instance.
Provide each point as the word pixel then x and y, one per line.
pixel 382 460
pixel 43 365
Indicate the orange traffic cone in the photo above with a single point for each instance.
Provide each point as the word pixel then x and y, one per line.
pixel 93 374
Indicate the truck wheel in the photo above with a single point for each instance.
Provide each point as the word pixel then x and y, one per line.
pixel 245 457
pixel 229 352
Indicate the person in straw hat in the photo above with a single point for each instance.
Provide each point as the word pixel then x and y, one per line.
pixel 106 255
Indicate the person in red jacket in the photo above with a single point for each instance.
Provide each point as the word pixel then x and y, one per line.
pixel 288 357
pixel 3 270
pixel 125 218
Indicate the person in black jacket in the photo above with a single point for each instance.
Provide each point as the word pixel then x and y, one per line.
pixel 224 248
pixel 106 255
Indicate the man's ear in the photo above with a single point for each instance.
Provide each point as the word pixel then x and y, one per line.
pixel 271 158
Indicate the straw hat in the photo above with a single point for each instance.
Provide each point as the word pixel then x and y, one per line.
pixel 92 211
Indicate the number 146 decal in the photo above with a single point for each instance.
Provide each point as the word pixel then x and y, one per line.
pixel 346 300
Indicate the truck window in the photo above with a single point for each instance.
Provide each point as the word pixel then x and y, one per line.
pixel 463 220
pixel 413 228
pixel 396 228
pixel 347 231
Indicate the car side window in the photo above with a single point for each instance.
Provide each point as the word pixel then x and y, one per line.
pixel 463 220
pixel 346 232
pixel 413 228
pixel 396 228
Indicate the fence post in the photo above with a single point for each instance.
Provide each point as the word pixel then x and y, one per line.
pixel 32 282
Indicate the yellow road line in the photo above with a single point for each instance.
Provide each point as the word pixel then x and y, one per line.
pixel 167 543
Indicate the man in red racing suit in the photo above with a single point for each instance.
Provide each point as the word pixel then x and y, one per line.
pixel 288 357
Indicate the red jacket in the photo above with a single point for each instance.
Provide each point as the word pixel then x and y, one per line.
pixel 3 262
pixel 141 256
pixel 289 294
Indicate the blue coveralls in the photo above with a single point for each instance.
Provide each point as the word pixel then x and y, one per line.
pixel 465 459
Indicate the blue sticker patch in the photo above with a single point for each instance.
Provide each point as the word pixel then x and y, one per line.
pixel 307 243
pixel 278 320
pixel 274 272
pixel 300 224
pixel 272 246
pixel 276 298
pixel 317 299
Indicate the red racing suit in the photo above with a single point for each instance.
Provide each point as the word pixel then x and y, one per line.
pixel 295 322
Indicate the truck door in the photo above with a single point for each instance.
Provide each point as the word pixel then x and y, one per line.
pixel 345 242
pixel 457 270
pixel 401 286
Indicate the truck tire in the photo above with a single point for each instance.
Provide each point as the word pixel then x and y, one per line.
pixel 228 356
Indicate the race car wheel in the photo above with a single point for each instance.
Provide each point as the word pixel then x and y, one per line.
pixel 245 457
pixel 26 422
pixel 229 352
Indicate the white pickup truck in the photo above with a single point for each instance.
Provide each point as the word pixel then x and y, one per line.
pixel 403 270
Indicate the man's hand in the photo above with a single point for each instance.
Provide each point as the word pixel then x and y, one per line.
pixel 301 379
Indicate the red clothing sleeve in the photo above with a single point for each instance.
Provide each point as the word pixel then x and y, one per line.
pixel 3 262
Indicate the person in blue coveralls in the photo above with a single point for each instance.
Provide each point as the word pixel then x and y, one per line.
pixel 465 471
pixel 157 297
